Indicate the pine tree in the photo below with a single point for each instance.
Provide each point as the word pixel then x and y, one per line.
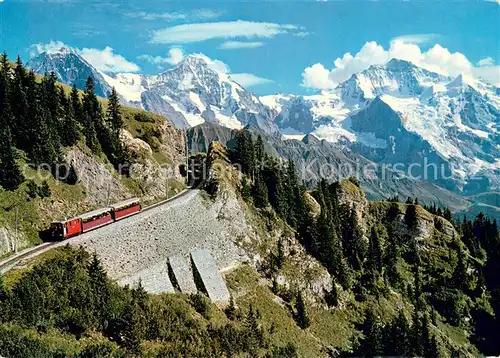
pixel 110 134
pixel 76 104
pixel 447 214
pixel 375 247
pixel 459 277
pixel 303 320
pixel 231 309
pixel 326 246
pixel 41 145
pixel 5 88
pixel 19 107
pixel 372 345
pixel 276 185
pixel 259 193
pixel 245 152
pixel 353 243
pixel 131 333
pixel 245 189
pixel 391 260
pixel 114 118
pixel 10 174
pixel 260 157
pixel 91 116
pixel 69 131
pixel 3 292
pixel 99 286
pixel 50 102
pixel 411 216
pixel 399 337
pixel 295 198
pixel 280 255
pixel 250 154
pixel 373 265
pixel 332 297
pixel 44 190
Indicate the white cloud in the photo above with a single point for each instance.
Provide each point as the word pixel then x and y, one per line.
pixel 244 79
pixel 417 38
pixel 197 32
pixel 437 59
pixel 38 48
pixel 206 14
pixel 249 80
pixel 216 65
pixel 233 45
pixel 108 61
pixel 302 34
pixel 105 60
pixel 488 61
pixel 198 14
pixel 175 55
pixel 317 76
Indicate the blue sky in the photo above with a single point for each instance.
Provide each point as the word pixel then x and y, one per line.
pixel 289 47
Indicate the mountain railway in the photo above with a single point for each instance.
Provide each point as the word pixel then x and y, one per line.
pixel 116 212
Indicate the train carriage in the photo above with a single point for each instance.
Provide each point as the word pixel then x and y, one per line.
pixel 65 229
pixel 97 218
pixel 125 208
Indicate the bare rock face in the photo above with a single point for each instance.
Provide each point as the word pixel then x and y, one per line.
pixel 6 242
pixel 313 205
pixel 135 145
pixel 302 271
pixel 354 196
pixel 9 241
pixel 99 179
pixel 173 144
pixel 146 170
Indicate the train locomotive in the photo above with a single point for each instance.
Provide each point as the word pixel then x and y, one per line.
pixel 64 229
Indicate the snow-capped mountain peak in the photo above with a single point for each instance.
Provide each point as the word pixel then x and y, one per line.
pixel 70 68
pixel 62 51
pixel 196 90
pixel 199 90
pixel 399 113
pixel 392 113
pixel 397 76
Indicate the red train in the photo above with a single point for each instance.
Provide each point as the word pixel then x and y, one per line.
pixel 65 229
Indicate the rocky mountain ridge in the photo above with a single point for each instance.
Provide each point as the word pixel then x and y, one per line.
pixel 396 114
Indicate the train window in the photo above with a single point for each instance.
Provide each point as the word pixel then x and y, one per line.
pixel 95 217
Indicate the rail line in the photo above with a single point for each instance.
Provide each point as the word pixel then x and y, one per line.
pixel 11 262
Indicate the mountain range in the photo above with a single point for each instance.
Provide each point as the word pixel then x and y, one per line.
pixel 398 116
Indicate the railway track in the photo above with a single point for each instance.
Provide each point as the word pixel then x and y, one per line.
pixel 11 262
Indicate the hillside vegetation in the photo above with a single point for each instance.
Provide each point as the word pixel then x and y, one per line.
pixel 64 152
pixel 346 277
pixel 404 281
pixel 331 273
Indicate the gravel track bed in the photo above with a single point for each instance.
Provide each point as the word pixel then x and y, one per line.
pixel 142 242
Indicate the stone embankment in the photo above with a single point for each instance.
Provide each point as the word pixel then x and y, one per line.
pixel 141 245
